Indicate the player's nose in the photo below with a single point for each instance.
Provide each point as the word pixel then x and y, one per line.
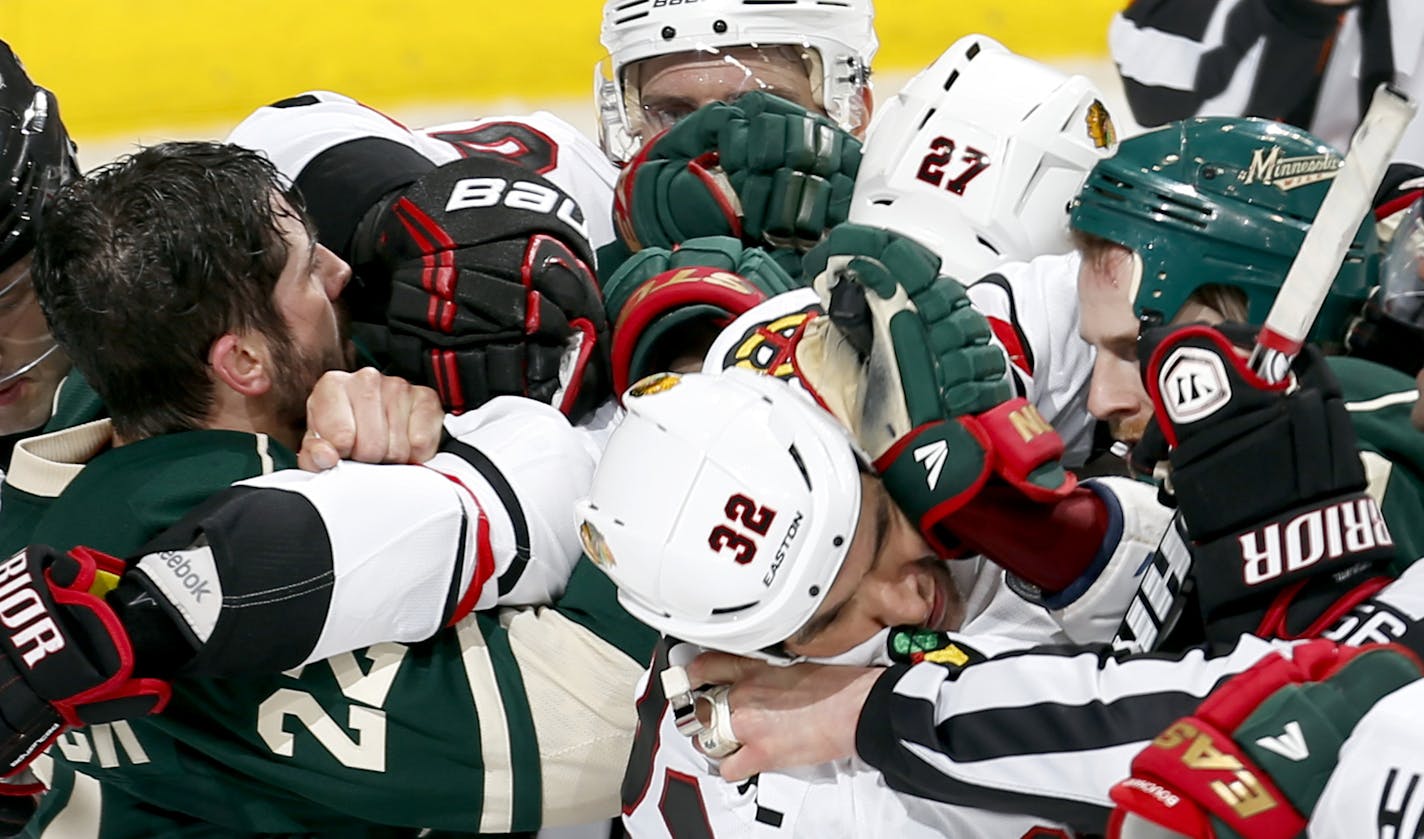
pixel 1115 391
pixel 338 273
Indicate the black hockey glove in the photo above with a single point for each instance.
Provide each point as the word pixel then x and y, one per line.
pixel 1268 480
pixel 491 287
pixel 67 660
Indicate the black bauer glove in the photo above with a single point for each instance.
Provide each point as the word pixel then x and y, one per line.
pixel 492 290
pixel 67 660
pixel 1268 480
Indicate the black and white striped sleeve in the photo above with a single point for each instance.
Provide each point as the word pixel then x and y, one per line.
pixel 1183 58
pixel 1042 732
pixel 1048 731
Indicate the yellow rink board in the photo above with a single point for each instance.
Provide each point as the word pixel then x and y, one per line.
pixel 123 65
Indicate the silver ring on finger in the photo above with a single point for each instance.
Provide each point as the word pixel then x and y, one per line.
pixel 717 739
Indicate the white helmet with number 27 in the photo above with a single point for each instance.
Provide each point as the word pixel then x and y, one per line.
pixel 979 156
pixel 838 35
pixel 723 508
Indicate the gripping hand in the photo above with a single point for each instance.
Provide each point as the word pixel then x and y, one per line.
pixel 760 169
pixel 667 305
pixel 1268 480
pixel 1253 760
pixel 491 291
pixel 905 361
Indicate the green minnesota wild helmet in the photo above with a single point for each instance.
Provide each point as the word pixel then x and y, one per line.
pixel 1222 201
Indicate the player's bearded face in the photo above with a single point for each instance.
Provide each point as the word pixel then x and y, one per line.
pixel 315 339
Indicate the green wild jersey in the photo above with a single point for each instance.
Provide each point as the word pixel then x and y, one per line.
pixel 445 734
pixel 1379 400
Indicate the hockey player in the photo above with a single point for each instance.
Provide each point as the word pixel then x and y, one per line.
pixel 933 739
pixel 667 60
pixel 733 119
pixel 726 453
pixel 471 312
pixel 1018 180
pixel 224 754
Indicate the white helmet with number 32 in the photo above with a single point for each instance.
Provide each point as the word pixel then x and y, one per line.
pixel 838 37
pixel 979 156
pixel 723 508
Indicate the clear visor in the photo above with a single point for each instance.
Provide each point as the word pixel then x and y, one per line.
pixel 23 332
pixel 1402 270
pixel 658 92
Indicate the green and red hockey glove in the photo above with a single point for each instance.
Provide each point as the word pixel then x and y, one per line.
pixel 1269 482
pixel 1255 757
pixel 760 169
pixel 905 361
pixel 67 660
pixel 666 305
pixel 490 288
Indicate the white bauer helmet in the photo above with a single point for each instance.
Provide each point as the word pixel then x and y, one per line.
pixel 723 508
pixel 980 155
pixel 839 35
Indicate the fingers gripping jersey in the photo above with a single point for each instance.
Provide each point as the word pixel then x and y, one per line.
pixel 296 131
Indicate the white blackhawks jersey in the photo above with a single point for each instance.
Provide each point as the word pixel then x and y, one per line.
pixel 1033 310
pixel 296 130
pixel 673 791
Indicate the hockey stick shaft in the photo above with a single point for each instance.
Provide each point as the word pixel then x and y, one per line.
pixel 1323 250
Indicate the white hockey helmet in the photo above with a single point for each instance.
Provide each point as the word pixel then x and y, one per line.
pixel 723 508
pixel 838 37
pixel 979 156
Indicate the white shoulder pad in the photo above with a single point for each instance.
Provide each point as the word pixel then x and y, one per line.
pixel 294 134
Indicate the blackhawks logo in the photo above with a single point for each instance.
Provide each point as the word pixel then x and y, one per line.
pixel 595 546
pixel 769 347
pixel 913 646
pixel 656 383
pixel 1100 126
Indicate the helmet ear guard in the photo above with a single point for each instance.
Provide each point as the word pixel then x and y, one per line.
pixel 980 156
pixel 1223 201
pixel 839 38
pixel 723 509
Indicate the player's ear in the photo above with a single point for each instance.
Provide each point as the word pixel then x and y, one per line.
pixel 243 362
